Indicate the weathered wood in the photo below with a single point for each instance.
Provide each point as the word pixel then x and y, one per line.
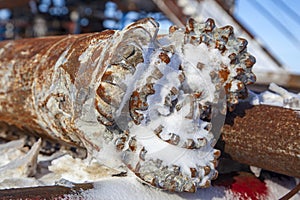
pixel 264 136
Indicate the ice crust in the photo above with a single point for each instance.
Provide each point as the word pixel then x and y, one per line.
pixel 276 96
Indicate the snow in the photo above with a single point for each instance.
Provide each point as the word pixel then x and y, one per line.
pixel 23 165
pixel 129 188
pixel 118 188
pixel 266 69
pixel 65 170
pixel 81 170
pixel 17 166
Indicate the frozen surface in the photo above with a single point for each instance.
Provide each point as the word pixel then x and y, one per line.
pixel 22 167
pixel 277 96
pixel 65 170
pixel 129 188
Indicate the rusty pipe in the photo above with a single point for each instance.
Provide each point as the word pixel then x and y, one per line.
pixel 118 94
pixel 264 136
pixel 28 67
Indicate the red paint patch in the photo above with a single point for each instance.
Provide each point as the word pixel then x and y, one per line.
pixel 244 185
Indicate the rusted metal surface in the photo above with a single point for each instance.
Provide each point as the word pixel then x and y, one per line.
pixel 92 90
pixel 291 193
pixel 37 75
pixel 264 136
pixel 45 192
pixel 27 66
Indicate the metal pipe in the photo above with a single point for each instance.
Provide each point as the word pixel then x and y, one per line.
pixel 264 136
pixel 119 92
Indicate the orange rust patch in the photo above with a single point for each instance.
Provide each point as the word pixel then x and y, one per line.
pixel 206 170
pixel 197 95
pixel 240 86
pixel 192 189
pixel 78 47
pixel 224 73
pixel 132 145
pixel 240 71
pixel 164 57
pixel 102 94
pixel 191 24
pixel 106 34
pixel 189 144
pixel 193 38
pixel 187 31
pixel 121 143
pixel 206 185
pixel 217 154
pixel 137 101
pixel 193 172
pixel 172 29
pixel 107 76
pixel 100 90
pixel 141 21
pixel 107 115
pixel 227 87
pixel 250 62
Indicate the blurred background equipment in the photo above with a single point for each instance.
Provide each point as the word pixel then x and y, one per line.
pixel 270 27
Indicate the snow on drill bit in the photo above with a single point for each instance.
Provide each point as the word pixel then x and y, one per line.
pixel 153 105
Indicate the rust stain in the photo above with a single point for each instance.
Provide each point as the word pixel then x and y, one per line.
pixel 102 93
pixel 107 76
pixel 227 87
pixel 164 57
pixel 255 135
pixel 80 46
pixel 249 62
pixel 224 73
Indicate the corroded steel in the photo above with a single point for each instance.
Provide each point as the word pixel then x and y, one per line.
pixel 264 136
pixel 122 94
